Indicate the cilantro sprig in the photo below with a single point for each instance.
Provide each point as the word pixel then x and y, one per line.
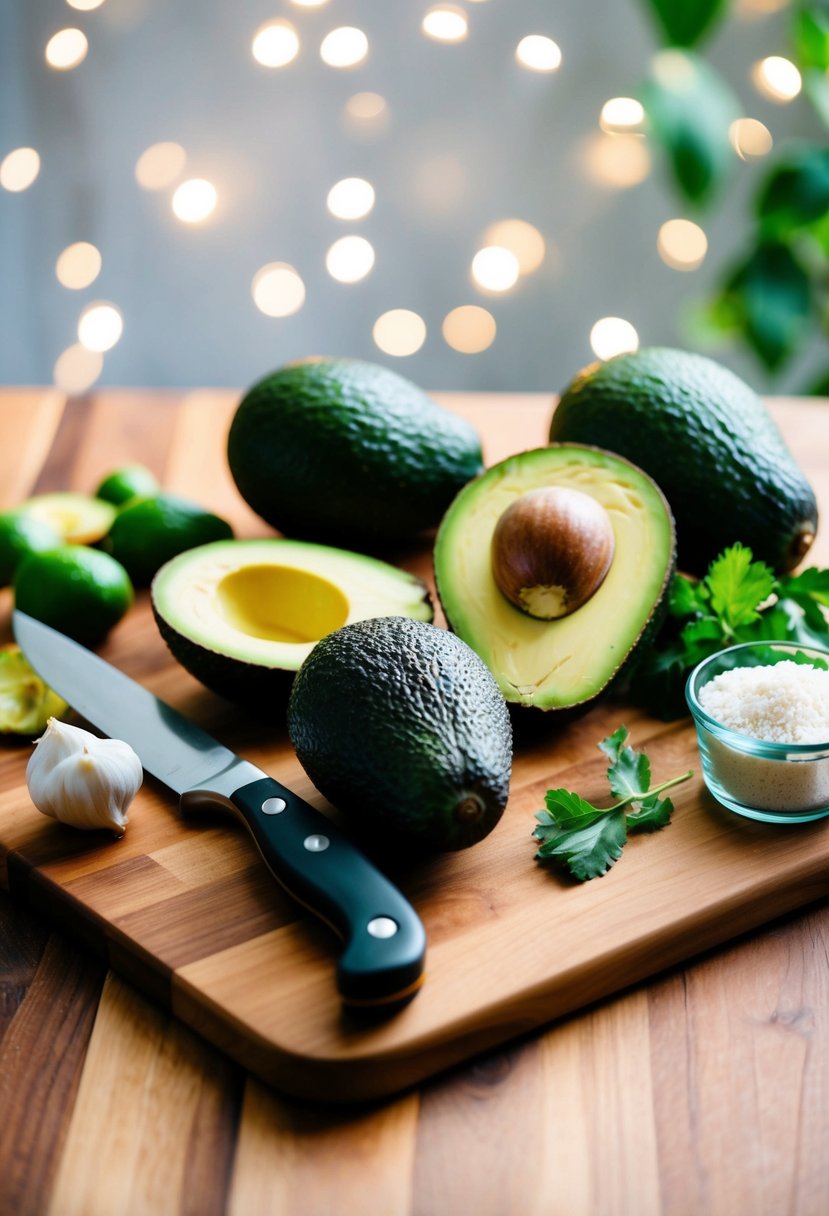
pixel 588 839
pixel 738 600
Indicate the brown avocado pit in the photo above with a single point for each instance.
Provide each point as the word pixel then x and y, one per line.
pixel 551 550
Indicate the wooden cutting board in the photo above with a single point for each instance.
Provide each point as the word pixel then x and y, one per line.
pixel 188 913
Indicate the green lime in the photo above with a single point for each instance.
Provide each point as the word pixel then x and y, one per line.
pixel 26 703
pixel 21 534
pixel 148 532
pixel 79 591
pixel 131 481
pixel 79 518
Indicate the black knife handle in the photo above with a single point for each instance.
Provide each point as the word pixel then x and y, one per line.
pixel 385 942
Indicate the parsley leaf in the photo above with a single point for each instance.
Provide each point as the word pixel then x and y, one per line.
pixel 588 839
pixel 738 600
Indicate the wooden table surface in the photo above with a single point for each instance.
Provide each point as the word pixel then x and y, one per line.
pixel 704 1091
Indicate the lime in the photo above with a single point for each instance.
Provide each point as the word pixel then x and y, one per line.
pixel 79 591
pixel 150 531
pixel 26 703
pixel 21 534
pixel 79 518
pixel 131 481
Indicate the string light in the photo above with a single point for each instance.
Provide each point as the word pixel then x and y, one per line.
pixel 538 53
pixel 495 268
pixel 309 3
pixel 18 169
pixel 777 78
pixel 750 138
pixel 682 244
pixel 349 259
pixel 194 200
pixel 159 165
pixel 345 47
pixel 351 199
pixel 520 238
pixel 445 23
pixel 100 326
pixel 77 369
pixel 613 336
pixel 469 329
pixel 66 49
pixel 617 161
pixel 78 266
pixel 278 290
pixel 399 332
pixel 85 6
pixel 275 44
pixel 621 115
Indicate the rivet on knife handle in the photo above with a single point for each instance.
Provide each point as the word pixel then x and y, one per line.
pixel 385 942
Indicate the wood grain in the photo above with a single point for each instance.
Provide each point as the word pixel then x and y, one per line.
pixel 722 1064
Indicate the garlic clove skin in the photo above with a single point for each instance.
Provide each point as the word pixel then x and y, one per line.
pixel 82 780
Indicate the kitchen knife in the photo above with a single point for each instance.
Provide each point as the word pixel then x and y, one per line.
pixel 385 943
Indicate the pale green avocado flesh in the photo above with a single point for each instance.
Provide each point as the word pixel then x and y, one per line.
pixel 569 661
pixel 242 615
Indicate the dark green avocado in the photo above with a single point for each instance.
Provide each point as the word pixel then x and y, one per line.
pixel 567 662
pixel 242 615
pixel 348 452
pixel 401 726
pixel 709 442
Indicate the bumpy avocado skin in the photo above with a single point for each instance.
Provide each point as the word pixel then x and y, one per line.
pixel 343 450
pixel 708 441
pixel 400 725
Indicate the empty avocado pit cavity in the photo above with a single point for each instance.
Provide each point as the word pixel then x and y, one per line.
pixel 242 615
pixel 551 550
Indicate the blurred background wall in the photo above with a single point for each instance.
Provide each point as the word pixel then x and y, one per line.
pixel 452 137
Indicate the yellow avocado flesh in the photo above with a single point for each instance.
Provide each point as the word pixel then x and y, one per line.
pixel 269 601
pixel 567 661
pixel 79 518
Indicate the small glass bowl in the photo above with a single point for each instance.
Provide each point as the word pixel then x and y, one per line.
pixel 773 782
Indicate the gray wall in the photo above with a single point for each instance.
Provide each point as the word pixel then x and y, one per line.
pixel 274 142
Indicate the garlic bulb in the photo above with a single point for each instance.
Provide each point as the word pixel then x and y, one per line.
pixel 82 780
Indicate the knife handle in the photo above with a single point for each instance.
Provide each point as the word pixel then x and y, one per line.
pixel 385 942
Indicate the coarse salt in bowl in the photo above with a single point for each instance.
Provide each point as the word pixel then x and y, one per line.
pixel 761 711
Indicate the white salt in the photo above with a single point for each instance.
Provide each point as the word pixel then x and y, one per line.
pixel 781 703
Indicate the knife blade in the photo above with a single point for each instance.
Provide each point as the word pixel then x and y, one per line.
pixel 384 940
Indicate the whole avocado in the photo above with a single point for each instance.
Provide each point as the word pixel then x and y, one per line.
pixel 400 725
pixel 346 451
pixel 708 441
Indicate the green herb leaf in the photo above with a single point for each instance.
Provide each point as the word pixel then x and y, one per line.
pixel 564 807
pixel 588 851
pixel 629 773
pixel 808 588
pixel 653 814
pixel 737 585
pixel 686 597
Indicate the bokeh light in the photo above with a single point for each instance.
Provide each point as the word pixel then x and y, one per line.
pixel 613 336
pixel 66 49
pixel 278 290
pixel 18 169
pixel 399 332
pixel 159 165
pixel 469 329
pixel 617 161
pixel 682 244
pixel 100 326
pixel 194 200
pixel 776 78
pixel 351 198
pixel 77 369
pixel 275 44
pixel 750 138
pixel 309 3
pixel 85 6
pixel 445 23
pixel 349 259
pixel 345 47
pixel 495 268
pixel 621 115
pixel 538 53
pixel 78 265
pixel 522 239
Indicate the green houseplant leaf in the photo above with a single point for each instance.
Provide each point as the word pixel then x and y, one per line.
pixel 683 22
pixel 796 193
pixel 772 295
pixel 689 110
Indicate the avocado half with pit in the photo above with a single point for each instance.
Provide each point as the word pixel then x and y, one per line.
pixel 242 615
pixel 552 566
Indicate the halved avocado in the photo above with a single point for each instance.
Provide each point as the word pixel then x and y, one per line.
pixel 241 615
pixel 79 518
pixel 568 661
